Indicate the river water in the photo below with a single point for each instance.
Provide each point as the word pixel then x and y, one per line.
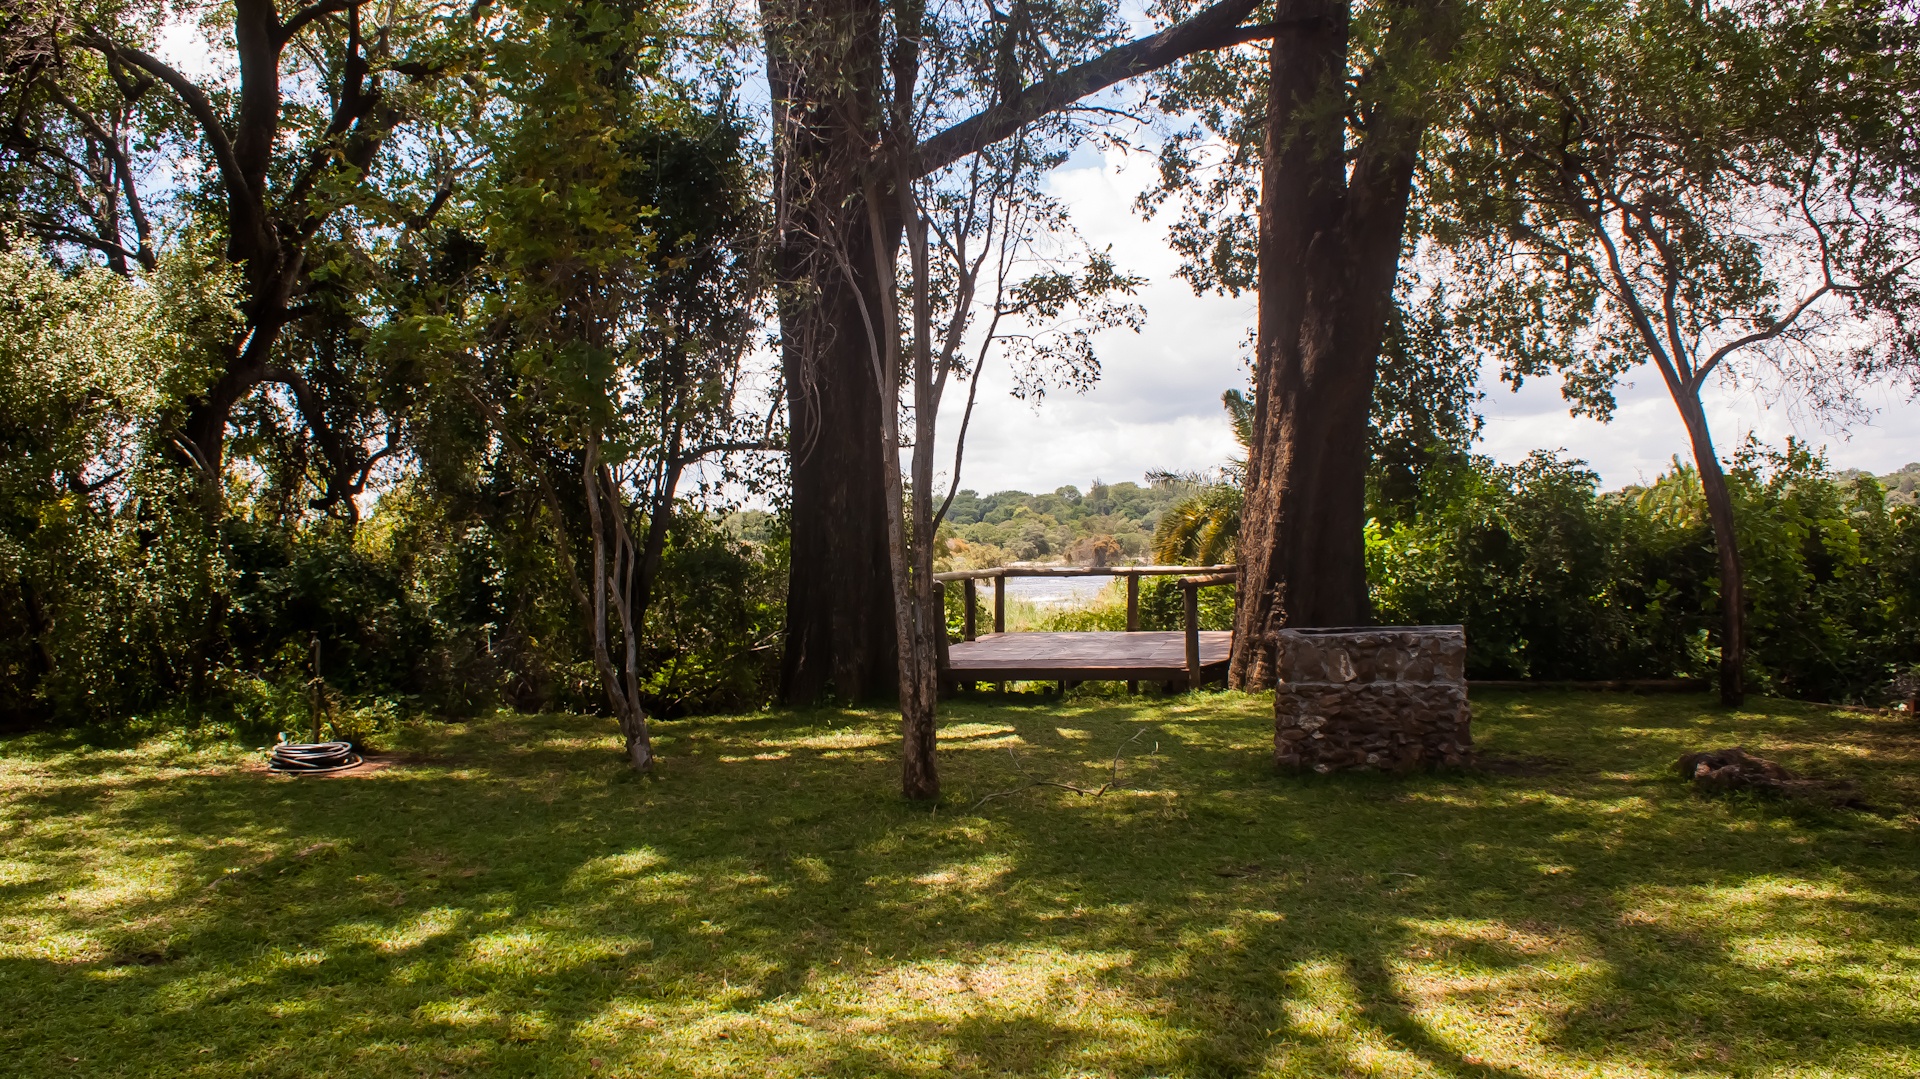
pixel 1052 591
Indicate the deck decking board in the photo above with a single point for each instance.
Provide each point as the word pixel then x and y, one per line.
pixel 1146 656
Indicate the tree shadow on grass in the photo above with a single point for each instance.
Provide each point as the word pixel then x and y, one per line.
pixel 516 903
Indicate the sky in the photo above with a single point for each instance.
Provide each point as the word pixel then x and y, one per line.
pixel 1157 404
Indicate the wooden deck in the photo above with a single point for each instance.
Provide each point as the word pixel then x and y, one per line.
pixel 1086 657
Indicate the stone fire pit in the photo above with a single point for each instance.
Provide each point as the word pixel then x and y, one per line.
pixel 1387 698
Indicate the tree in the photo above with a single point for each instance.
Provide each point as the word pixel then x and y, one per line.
pixel 286 152
pixel 976 273
pixel 1714 192
pixel 1311 203
pixel 614 304
pixel 90 360
pixel 830 78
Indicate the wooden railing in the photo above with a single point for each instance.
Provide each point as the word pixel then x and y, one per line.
pixel 1132 573
pixel 1191 586
pixel 1192 579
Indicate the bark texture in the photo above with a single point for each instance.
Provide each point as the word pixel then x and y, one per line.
pixel 824 73
pixel 1329 253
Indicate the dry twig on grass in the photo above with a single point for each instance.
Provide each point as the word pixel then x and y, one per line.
pixel 1112 781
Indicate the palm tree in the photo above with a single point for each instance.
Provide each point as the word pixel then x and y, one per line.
pixel 1203 528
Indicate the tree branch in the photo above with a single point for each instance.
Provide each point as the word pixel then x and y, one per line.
pixel 1758 336
pixel 53 230
pixel 194 98
pixel 1215 27
pixel 112 148
pixel 313 411
pixel 311 12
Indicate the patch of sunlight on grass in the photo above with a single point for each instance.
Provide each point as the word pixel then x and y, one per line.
pixel 975 876
pixel 1323 1007
pixel 459 1013
pixel 411 933
pixel 1782 953
pixel 842 739
pixel 816 870
pixel 23 939
pixel 1061 984
pixel 1497 995
pixel 1752 904
pixel 516 951
pixel 960 731
pixel 1073 733
pixel 578 741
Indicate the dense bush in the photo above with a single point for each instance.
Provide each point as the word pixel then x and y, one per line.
pixel 713 632
pixel 1554 579
pixel 139 614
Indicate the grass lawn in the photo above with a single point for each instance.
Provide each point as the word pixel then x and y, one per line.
pixel 507 900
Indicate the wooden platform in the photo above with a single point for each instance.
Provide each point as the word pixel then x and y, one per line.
pixel 1085 657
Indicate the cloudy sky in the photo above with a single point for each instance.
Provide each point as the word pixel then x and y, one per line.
pixel 1158 401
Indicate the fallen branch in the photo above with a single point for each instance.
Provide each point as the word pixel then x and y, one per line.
pixel 1112 782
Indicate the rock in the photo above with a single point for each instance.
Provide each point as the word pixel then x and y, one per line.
pixel 1390 698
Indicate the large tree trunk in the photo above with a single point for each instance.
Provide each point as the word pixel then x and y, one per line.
pixel 840 637
pixel 823 71
pixel 1329 254
pixel 1292 541
pixel 1726 545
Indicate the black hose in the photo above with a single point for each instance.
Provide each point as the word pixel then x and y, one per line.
pixel 313 758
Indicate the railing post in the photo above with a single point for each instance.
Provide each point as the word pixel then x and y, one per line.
pixel 1193 633
pixel 973 600
pixel 1133 618
pixel 1000 604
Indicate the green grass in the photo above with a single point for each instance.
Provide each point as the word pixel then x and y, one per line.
pixel 507 900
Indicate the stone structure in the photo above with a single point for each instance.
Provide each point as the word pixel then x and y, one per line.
pixel 1391 698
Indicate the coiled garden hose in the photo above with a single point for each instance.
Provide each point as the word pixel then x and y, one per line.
pixel 312 758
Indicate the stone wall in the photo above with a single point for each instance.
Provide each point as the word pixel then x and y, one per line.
pixel 1391 698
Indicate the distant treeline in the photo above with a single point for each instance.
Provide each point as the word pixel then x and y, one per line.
pixel 1110 522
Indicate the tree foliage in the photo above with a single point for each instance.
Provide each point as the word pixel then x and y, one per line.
pixel 1555 579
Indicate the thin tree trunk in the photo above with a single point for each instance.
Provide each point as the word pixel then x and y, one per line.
pixel 614 562
pixel 918 687
pixel 920 662
pixel 1726 545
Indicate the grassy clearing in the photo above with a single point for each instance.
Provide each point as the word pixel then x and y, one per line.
pixel 507 901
